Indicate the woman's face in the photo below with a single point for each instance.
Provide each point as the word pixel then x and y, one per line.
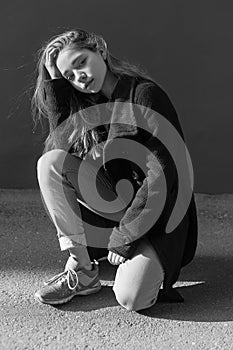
pixel 85 69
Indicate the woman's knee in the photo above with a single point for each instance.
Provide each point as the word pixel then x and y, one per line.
pixel 48 163
pixel 128 300
pixel 49 158
pixel 55 159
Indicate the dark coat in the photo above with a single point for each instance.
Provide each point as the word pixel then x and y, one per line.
pixel 177 248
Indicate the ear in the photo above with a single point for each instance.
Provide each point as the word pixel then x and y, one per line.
pixel 103 54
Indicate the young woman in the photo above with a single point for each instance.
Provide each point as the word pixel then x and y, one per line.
pixel 99 109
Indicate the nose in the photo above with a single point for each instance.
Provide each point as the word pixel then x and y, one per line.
pixel 82 78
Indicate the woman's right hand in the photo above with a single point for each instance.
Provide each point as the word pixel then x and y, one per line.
pixel 50 63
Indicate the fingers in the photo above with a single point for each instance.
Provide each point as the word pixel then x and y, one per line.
pixel 50 62
pixel 115 259
pixel 51 55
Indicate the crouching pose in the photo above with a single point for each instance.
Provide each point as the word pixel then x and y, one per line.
pixel 112 174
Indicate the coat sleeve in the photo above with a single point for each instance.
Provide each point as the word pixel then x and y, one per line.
pixel 159 165
pixel 57 94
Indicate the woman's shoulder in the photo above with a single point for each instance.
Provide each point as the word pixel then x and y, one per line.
pixel 146 91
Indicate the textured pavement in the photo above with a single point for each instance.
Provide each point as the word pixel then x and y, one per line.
pixel 30 254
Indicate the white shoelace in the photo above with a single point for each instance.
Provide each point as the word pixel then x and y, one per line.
pixel 70 275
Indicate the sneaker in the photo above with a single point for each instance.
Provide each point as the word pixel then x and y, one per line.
pixel 66 285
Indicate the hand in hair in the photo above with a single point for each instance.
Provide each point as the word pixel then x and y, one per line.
pixel 50 63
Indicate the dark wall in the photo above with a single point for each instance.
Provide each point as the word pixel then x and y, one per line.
pixel 185 45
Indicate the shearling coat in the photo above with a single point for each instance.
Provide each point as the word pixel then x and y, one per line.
pixel 140 125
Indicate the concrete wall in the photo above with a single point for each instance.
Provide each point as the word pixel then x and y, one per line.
pixel 185 45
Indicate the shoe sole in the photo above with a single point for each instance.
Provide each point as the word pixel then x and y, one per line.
pixel 63 301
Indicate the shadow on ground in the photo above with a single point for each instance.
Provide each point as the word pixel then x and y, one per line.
pixel 208 301
pixel 29 245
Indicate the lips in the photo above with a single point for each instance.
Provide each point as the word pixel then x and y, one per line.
pixel 88 83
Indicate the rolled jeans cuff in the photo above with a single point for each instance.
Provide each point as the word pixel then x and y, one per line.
pixel 72 241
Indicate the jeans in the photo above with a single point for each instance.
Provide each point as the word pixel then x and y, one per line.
pixel 79 221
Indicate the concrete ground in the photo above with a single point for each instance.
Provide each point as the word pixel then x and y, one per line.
pixel 29 254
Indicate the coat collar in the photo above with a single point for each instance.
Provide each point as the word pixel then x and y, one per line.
pixel 122 87
pixel 122 120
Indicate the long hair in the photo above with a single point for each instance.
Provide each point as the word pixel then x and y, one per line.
pixel 75 130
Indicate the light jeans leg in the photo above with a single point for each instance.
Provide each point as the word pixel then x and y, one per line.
pixel 138 280
pixel 57 173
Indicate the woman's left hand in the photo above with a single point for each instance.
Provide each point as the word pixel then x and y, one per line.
pixel 115 259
